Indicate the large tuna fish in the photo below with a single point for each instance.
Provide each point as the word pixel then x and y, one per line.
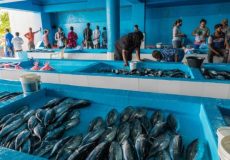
pixel 99 152
pixel 115 151
pixel 112 117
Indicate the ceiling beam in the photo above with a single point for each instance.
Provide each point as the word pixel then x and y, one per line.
pixel 25 5
pixel 135 1
pixel 168 3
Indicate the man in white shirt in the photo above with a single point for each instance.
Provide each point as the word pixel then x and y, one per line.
pixel 17 42
pixel 96 37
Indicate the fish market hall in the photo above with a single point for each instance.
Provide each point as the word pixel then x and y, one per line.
pixel 114 80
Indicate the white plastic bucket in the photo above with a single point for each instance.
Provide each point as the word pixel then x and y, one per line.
pixel 21 55
pixel 30 83
pixel 224 148
pixel 133 65
pixel 222 132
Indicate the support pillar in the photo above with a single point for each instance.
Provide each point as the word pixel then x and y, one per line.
pixel 113 25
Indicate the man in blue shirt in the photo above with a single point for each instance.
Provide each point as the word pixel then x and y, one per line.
pixel 168 55
pixel 217 45
pixel 9 49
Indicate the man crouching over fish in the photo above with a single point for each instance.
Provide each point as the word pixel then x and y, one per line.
pixel 125 46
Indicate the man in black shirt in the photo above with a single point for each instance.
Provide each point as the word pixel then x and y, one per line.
pixel 125 46
pixel 87 34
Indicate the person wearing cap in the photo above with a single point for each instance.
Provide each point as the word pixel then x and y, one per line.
pixel 201 33
pixel 217 45
pixel 125 46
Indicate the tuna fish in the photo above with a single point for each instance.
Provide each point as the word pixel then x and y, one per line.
pixel 138 113
pixel 82 152
pixel 136 129
pixel 58 122
pixel 58 145
pixel 145 124
pixel 28 115
pixel 5 118
pixel 46 149
pixel 98 153
pixel 160 143
pixel 112 117
pixel 80 104
pixel 40 114
pixel 74 114
pixel 125 115
pixel 14 133
pixel 53 103
pixel 21 138
pixel 71 123
pixel 123 132
pixel 22 110
pixel 158 129
pixel 96 123
pixel 39 131
pixel 49 117
pixel 11 119
pixel 63 154
pixel 115 151
pixel 56 133
pixel 14 125
pixel 93 136
pixel 192 150
pixel 26 147
pixel 172 122
pixel 74 143
pixel 156 117
pixel 109 135
pixel 142 146
pixel 176 147
pixel 32 122
pixel 129 152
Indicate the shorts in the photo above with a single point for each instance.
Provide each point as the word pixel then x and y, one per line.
pixel 176 44
pixel 31 46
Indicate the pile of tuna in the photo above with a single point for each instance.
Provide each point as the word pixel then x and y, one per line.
pixel 37 131
pixel 175 73
pixel 131 135
pixel 4 96
pixel 213 74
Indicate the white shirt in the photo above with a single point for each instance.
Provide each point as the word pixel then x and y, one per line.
pixel 17 42
pixel 96 36
pixel 176 30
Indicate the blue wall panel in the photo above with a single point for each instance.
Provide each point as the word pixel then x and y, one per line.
pixel 96 17
pixel 159 21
